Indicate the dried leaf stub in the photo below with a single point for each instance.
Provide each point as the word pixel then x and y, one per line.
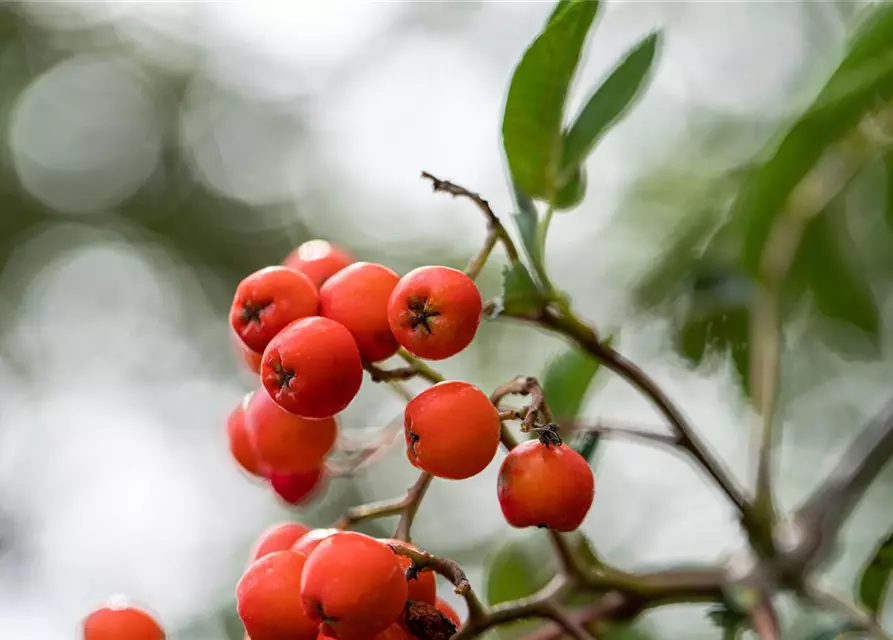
pixel 426 622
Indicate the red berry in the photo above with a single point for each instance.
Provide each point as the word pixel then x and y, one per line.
pixel 311 540
pixel 280 537
pixel 313 368
pixel 452 430
pixel 444 607
pixel 239 443
pixel 268 599
pixel 434 312
pixel 267 301
pixel 121 623
pixel 353 586
pixel 318 260
pixel 250 359
pixel 394 632
pixel 298 488
pixel 545 485
pixel 357 297
pixel 422 588
pixel 284 442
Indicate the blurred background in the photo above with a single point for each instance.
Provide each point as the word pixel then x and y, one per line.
pixel 153 153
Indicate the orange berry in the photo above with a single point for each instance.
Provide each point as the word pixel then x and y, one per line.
pixel 286 443
pixel 313 368
pixel 311 540
pixel 434 312
pixel 422 588
pixel 268 599
pixel 444 607
pixel 239 443
pixel 353 586
pixel 280 537
pixel 298 488
pixel 357 297
pixel 452 430
pixel 268 300
pixel 545 485
pixel 318 260
pixel 121 623
pixel 394 632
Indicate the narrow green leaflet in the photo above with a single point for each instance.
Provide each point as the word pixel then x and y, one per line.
pixel 888 202
pixel 534 109
pixel 572 192
pixel 527 222
pixel 839 107
pixel 609 103
pixel 839 289
pixel 519 293
pixel 566 381
pixel 559 7
pixel 875 576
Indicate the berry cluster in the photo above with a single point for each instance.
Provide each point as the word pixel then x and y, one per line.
pixel 309 328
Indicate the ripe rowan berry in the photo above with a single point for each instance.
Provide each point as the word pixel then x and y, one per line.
pixel 121 623
pixel 311 540
pixel 250 359
pixel 298 488
pixel 545 484
pixel 283 442
pixel 280 537
pixel 318 260
pixel 444 607
pixel 394 632
pixel 434 312
pixel 353 585
pixel 312 368
pixel 452 430
pixel 357 297
pixel 268 599
pixel 268 300
pixel 239 443
pixel 422 588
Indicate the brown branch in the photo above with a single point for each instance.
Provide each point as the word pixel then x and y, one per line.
pixel 415 368
pixel 819 520
pixel 604 429
pixel 413 502
pixel 525 386
pixel 495 229
pixel 405 507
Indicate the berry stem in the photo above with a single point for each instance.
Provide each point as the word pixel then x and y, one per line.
pixel 496 232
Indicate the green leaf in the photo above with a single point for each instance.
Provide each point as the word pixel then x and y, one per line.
pixel 573 191
pixel 519 568
pixel 519 293
pixel 838 108
pixel 839 289
pixel 527 222
pixel 534 109
pixel 888 174
pixel 875 576
pixel 587 444
pixel 609 102
pixel 566 380
pixel 559 7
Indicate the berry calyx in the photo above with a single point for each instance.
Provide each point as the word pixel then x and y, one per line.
pixel 544 484
pixel 452 430
pixel 318 260
pixel 268 300
pixel 280 537
pixel 357 297
pixel 434 312
pixel 284 442
pixel 268 599
pixel 422 587
pixel 114 622
pixel 312 368
pixel 239 443
pixel 353 586
pixel 298 488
